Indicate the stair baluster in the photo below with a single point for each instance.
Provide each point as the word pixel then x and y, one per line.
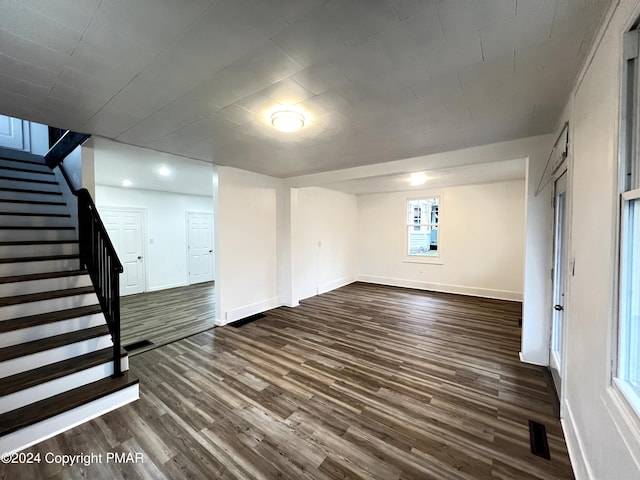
pixel 97 253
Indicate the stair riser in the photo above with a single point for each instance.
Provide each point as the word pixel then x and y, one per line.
pixel 40 187
pixel 44 285
pixel 16 337
pixel 30 197
pixel 44 266
pixel 15 251
pixel 44 306
pixel 36 221
pixel 20 235
pixel 21 156
pixel 59 385
pixel 33 434
pixel 33 208
pixel 18 174
pixel 28 166
pixel 40 359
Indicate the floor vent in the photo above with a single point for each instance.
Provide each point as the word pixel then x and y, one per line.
pixel 138 345
pixel 244 321
pixel 538 438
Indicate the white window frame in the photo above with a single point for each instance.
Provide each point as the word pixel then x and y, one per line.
pixel 429 259
pixel 629 193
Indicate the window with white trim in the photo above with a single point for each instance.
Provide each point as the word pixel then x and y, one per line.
pixel 421 231
pixel 628 351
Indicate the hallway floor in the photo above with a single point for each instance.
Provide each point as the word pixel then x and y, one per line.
pixel 165 316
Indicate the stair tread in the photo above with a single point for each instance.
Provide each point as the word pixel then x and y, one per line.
pixel 26 227
pixel 41 276
pixel 31 214
pixel 36 242
pixel 45 318
pixel 31 378
pixel 21 156
pixel 41 258
pixel 25 170
pixel 29 348
pixel 29 180
pixel 33 202
pixel 49 407
pixel 30 190
pixel 36 297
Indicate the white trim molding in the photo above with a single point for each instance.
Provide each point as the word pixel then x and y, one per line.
pixel 332 285
pixel 441 287
pixel 247 311
pixel 581 468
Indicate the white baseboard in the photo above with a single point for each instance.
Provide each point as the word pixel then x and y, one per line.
pixel 166 287
pixel 524 359
pixel 441 287
pixel 579 462
pixel 248 310
pixel 341 282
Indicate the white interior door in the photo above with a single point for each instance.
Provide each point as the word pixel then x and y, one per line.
pixel 200 247
pixel 556 350
pixel 125 228
pixel 11 134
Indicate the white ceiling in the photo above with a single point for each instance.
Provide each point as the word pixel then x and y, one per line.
pixel 382 79
pixel 499 171
pixel 113 164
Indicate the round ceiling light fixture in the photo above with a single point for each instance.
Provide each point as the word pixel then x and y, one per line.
pixel 287 120
pixel 418 178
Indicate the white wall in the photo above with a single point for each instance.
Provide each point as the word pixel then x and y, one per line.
pixel 247 261
pixel 324 246
pixel 166 231
pixel 603 434
pixel 481 236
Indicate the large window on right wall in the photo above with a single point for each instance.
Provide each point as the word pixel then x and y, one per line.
pixel 627 375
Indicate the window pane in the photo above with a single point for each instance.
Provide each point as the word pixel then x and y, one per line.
pixel 424 241
pixel 422 227
pixel 630 299
pixel 422 211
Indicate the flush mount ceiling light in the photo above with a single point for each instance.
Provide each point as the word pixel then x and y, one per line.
pixel 417 179
pixel 287 120
pixel 126 183
pixel 164 171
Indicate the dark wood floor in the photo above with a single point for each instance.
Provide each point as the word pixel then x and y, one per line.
pixel 365 382
pixel 167 315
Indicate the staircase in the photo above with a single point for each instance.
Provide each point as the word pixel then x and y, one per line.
pixel 56 351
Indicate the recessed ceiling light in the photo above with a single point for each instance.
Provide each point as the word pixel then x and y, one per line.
pixel 126 183
pixel 164 171
pixel 417 179
pixel 287 120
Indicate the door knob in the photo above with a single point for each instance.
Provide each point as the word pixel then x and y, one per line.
pixel 210 251
pixel 558 308
pixel 140 257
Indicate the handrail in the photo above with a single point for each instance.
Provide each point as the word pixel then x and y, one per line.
pixel 66 144
pixel 97 252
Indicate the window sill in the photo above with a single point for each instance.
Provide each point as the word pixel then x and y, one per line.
pixel 624 414
pixel 427 260
pixel 628 394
